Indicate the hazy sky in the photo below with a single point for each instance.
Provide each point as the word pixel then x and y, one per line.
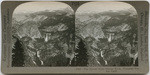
pixel 39 6
pixel 103 6
pixel 87 7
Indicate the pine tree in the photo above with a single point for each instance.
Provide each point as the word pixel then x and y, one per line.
pixel 81 57
pixel 18 54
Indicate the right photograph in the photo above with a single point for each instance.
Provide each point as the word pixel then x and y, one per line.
pixel 106 34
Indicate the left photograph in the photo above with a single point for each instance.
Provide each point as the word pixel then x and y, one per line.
pixel 43 35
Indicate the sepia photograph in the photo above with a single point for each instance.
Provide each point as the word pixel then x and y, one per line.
pixel 106 34
pixel 42 34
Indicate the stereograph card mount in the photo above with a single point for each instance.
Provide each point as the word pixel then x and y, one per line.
pixel 75 37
